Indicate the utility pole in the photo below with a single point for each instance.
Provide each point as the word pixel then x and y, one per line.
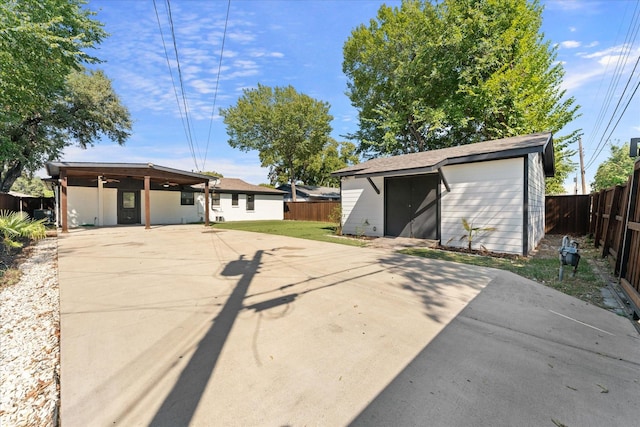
pixel 584 184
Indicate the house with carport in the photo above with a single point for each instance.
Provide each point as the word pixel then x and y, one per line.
pixel 109 194
pixel 496 185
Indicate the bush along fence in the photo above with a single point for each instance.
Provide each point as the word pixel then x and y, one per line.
pixel 615 225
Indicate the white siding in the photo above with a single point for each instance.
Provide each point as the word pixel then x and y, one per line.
pixel 486 194
pixel 536 200
pixel 362 207
pixel 266 207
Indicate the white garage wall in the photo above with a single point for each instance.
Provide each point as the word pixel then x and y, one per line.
pixel 536 203
pixel 362 207
pixel 486 194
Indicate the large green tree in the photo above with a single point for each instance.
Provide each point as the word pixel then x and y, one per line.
pixel 47 100
pixel 334 156
pixel 430 75
pixel 287 128
pixel 31 185
pixel 615 170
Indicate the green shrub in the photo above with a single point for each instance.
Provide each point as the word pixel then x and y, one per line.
pixel 15 226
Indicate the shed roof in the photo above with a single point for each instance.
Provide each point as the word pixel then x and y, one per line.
pixel 133 170
pixel 429 161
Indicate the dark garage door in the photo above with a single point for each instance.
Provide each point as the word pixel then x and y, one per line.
pixel 411 206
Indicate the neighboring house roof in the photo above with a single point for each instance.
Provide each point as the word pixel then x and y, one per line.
pixel 313 191
pixel 429 161
pixel 235 185
pixel 138 170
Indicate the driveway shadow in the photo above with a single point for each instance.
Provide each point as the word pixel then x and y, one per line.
pixel 180 404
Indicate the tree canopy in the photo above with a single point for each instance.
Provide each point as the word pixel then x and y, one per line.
pixel 430 75
pixel 287 128
pixel 334 156
pixel 31 185
pixel 47 99
pixel 615 170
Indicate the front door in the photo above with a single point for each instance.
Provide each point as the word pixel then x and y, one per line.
pixel 128 207
pixel 411 206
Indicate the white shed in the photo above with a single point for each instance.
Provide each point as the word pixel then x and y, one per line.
pixel 495 185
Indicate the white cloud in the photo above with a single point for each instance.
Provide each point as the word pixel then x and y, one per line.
pixel 572 29
pixel 570 44
pixel 592 44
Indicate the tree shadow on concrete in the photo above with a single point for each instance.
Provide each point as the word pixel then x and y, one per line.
pixel 179 407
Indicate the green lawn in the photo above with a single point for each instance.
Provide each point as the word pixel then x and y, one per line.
pixel 321 231
pixel 543 269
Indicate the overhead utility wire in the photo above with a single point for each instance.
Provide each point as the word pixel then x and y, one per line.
pixel 184 97
pixel 215 93
pixel 630 38
pixel 615 110
pixel 609 92
pixel 175 90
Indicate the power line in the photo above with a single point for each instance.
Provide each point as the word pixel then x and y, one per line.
pixel 614 113
pixel 215 93
pixel 627 47
pixel 175 90
pixel 181 80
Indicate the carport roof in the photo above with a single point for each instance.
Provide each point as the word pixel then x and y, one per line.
pixel 133 170
pixel 429 161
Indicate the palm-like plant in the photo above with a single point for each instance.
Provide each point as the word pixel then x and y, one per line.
pixel 16 225
pixel 472 232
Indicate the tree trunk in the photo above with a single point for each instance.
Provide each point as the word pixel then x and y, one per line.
pixel 293 190
pixel 10 172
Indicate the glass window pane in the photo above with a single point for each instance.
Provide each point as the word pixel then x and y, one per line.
pixel 128 200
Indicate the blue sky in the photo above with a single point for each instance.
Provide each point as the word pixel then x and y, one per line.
pixel 299 43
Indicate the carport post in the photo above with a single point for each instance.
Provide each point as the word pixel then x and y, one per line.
pixel 147 203
pixel 63 200
pixel 206 204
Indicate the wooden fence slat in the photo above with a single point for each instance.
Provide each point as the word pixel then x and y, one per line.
pixel 567 214
pixel 309 210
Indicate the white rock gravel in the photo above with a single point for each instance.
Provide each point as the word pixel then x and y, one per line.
pixel 29 342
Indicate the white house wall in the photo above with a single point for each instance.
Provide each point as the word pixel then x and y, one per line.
pixel 362 207
pixel 266 207
pixel 486 194
pixel 83 207
pixel 165 208
pixel 536 203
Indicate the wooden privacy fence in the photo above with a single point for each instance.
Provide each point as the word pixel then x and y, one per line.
pixel 309 211
pixel 567 214
pixel 9 202
pixel 615 225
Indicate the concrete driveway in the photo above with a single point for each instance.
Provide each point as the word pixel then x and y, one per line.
pixel 182 325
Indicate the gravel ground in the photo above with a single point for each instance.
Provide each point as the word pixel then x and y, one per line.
pixel 29 342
